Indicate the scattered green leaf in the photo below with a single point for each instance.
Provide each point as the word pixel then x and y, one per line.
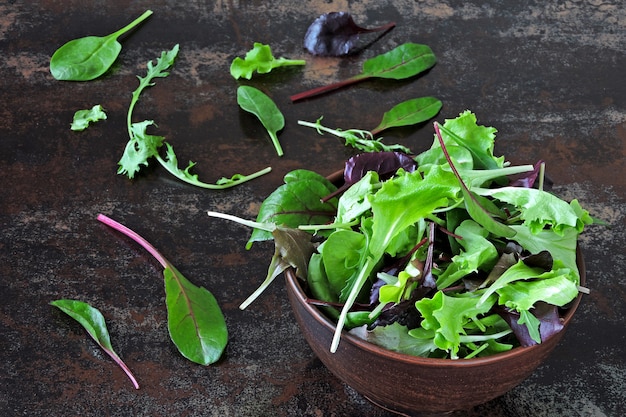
pixel 261 60
pixel 82 118
pixel 93 321
pixel 194 319
pixel 405 61
pixel 88 58
pixel 258 103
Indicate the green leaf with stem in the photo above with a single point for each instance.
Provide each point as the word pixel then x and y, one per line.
pixel 93 321
pixel 405 61
pixel 362 140
pixel 261 60
pixel 82 118
pixel 194 319
pixel 258 103
pixel 88 58
pixel 142 146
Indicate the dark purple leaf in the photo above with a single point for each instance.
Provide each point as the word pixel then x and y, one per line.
pixel 336 34
pixel 386 164
pixel 527 179
pixel 549 318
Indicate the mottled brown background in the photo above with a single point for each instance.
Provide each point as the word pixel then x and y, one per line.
pixel 548 75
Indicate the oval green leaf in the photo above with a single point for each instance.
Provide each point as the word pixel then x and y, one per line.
pixel 256 102
pixel 88 58
pixel 194 319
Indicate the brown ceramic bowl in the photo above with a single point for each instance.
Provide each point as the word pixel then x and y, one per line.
pixel 414 385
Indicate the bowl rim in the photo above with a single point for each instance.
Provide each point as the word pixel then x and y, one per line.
pixel 363 344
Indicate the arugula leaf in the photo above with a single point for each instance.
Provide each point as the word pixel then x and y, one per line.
pixel 358 139
pixel 93 321
pixel 82 118
pixel 142 146
pixel 261 60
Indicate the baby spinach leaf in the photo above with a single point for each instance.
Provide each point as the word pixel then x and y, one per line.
pixel 261 60
pixel 405 61
pixel 342 254
pixel 88 58
pixel 93 321
pixel 256 102
pixel 336 34
pixel 297 202
pixel 82 118
pixel 195 321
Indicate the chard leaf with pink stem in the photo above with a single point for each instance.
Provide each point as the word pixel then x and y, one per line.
pixel 194 319
pixel 404 61
pixel 93 321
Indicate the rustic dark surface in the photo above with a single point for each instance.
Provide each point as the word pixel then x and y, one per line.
pixel 548 75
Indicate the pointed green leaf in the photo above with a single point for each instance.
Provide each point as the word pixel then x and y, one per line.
pixel 93 321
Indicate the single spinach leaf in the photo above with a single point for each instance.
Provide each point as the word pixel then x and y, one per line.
pixel 261 60
pixel 409 113
pixel 405 61
pixel 297 202
pixel 82 118
pixel 336 34
pixel 93 321
pixel 88 58
pixel 195 321
pixel 258 103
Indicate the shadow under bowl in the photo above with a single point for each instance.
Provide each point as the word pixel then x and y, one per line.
pixel 414 385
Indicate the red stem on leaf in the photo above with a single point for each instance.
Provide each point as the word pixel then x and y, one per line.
pixel 326 88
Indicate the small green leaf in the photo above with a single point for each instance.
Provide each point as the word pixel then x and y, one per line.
pixel 82 118
pixel 295 203
pixel 261 60
pixel 93 321
pixel 404 61
pixel 194 319
pixel 410 112
pixel 88 58
pixel 256 102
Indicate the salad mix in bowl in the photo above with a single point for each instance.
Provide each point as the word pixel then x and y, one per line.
pixel 452 253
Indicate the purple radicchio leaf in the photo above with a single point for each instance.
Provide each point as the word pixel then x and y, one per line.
pixel 336 34
pixel 386 164
pixel 549 319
